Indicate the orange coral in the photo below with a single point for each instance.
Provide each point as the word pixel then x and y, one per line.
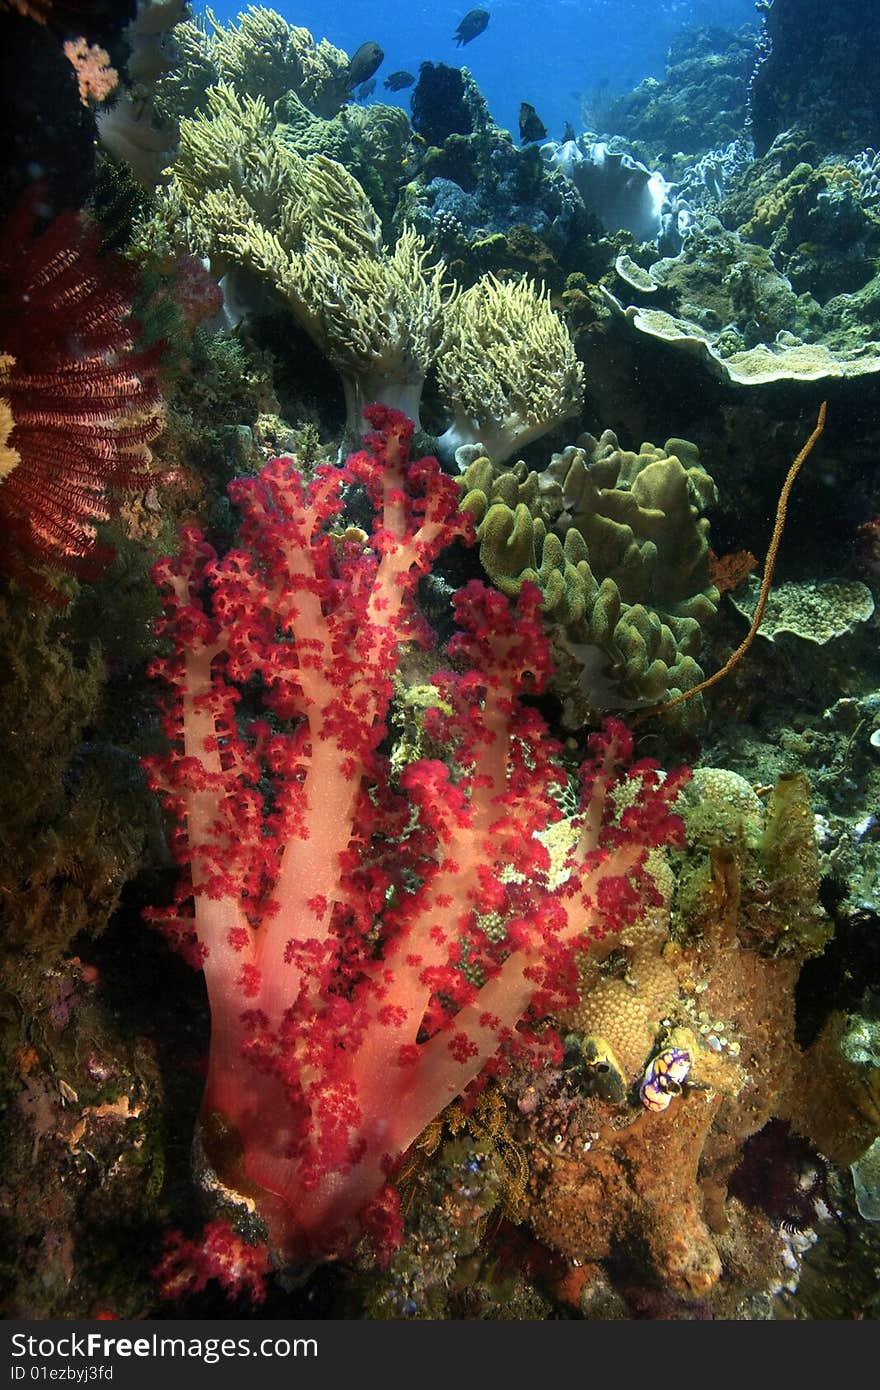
pixel 68 15
pixel 727 572
pixel 32 9
pixel 95 77
pixel 9 457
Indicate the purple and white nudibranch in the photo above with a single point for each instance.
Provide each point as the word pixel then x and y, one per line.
pixel 663 1077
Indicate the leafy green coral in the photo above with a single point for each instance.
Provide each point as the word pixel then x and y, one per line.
pixel 618 546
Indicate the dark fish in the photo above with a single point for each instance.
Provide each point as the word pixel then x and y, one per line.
pixel 568 133
pixel 366 89
pixel 473 24
pixel 531 127
pixel 364 63
pixel 396 81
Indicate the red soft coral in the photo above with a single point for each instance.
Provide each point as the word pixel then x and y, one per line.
pixel 220 1253
pixel 371 945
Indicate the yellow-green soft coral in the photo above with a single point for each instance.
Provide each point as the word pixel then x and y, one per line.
pixel 618 546
pixel 373 142
pixel 507 368
pixel 261 55
pixel 304 223
pixel 264 52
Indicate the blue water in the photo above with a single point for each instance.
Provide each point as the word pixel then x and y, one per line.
pixel 552 53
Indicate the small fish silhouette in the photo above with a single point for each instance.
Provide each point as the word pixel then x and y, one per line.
pixel 396 81
pixel 531 127
pixel 366 89
pixel 473 24
pixel 364 63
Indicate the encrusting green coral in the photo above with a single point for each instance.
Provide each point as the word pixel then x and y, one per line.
pixel 507 368
pixel 249 199
pixel 815 611
pixel 618 546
